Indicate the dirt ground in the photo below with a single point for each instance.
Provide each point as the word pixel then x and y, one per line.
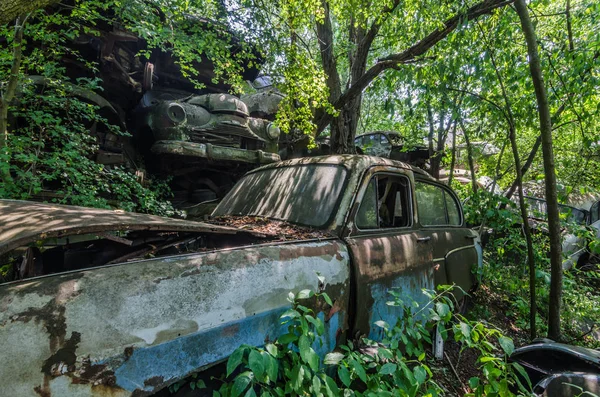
pixel 453 373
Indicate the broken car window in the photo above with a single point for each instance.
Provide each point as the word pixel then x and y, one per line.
pixel 389 207
pixel 431 202
pixel 303 194
pixel 452 208
pixel 367 213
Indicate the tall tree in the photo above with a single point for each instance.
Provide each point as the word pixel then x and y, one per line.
pixel 360 36
pixel 549 176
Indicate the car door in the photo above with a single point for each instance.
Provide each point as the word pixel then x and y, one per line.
pixel 388 251
pixel 454 252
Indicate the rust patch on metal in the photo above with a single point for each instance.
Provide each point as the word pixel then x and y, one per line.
pixel 231 330
pixel 154 381
pixel 95 374
pixel 128 352
pixel 53 318
pixel 63 361
pixel 43 391
pixel 334 309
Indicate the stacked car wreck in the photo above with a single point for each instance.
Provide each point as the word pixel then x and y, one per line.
pixel 185 127
pixel 123 304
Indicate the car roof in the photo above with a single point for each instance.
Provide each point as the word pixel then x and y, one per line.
pixel 382 132
pixel 24 222
pixel 350 161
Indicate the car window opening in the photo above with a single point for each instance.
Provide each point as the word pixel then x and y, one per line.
pixel 386 203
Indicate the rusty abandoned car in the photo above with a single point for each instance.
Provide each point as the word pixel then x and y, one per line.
pixel 109 303
pixel 188 130
pixel 560 370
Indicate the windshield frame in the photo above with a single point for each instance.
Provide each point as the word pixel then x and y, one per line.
pixel 335 207
pixel 568 220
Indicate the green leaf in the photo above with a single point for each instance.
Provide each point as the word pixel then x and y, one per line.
pixel 507 345
pixel 304 294
pixel 382 324
pixel 241 383
pixel 473 382
pixel 316 385
pixel 442 309
pixel 327 299
pixel 388 368
pixel 255 363
pixel 250 393
pixel 287 339
pixel 319 325
pixel 297 377
pixel 235 360
pixel 291 313
pixel 465 330
pixel 200 384
pixel 307 353
pixel 360 371
pixel 344 375
pixel 272 349
pixel 332 388
pixel 333 358
pixel 420 374
pixel 321 278
pixel 271 367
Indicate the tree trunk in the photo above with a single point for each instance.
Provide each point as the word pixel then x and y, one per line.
pixel 527 231
pixel 8 95
pixel 11 9
pixel 532 154
pixel 362 81
pixel 470 157
pixel 431 151
pixel 453 154
pixel 549 170
pixel 343 129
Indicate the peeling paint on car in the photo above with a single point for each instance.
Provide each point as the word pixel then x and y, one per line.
pixel 204 306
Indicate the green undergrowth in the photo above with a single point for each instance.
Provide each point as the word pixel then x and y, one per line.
pixel 505 273
pixel 400 365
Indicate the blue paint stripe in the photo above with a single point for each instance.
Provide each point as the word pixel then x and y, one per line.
pixel 179 357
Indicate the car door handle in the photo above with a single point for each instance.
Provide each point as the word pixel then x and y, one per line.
pixel 470 237
pixel 423 239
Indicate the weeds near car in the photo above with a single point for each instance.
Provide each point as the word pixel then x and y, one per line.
pixel 399 365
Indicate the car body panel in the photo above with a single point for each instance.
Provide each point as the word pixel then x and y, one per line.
pixel 141 325
pixel 22 222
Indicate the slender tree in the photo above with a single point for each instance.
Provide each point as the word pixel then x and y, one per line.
pixel 549 170
pixel 7 95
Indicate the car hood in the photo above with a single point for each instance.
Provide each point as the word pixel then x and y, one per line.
pixel 24 222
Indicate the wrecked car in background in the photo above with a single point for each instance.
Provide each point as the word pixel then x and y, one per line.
pixel 575 246
pixel 184 136
pixel 391 145
pixel 188 130
pixel 560 370
pixel 109 303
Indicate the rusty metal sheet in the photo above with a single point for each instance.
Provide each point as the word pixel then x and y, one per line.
pixel 212 152
pixel 24 222
pixel 384 261
pixel 137 327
